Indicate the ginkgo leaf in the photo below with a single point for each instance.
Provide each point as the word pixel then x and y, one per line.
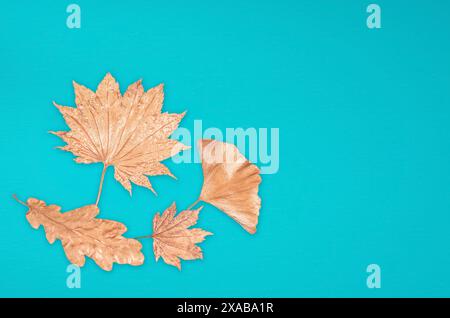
pixel 173 240
pixel 128 132
pixel 230 182
pixel 82 234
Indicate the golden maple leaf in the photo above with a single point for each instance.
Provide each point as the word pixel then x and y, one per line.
pixel 128 132
pixel 173 240
pixel 82 234
pixel 230 182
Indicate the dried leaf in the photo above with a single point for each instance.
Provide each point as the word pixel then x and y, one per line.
pixel 128 132
pixel 173 240
pixel 230 182
pixel 82 234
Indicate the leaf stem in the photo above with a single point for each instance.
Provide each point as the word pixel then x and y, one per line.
pixel 193 204
pixel 105 166
pixel 20 201
pixel 143 237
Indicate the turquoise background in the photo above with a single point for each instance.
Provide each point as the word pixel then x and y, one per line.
pixel 364 142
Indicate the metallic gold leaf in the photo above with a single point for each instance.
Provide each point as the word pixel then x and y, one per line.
pixel 173 240
pixel 230 182
pixel 128 132
pixel 82 234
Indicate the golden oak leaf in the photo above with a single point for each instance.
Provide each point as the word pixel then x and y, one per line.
pixel 82 234
pixel 173 240
pixel 230 182
pixel 128 132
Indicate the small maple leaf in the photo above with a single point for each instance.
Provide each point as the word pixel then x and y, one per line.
pixel 173 240
pixel 230 182
pixel 128 132
pixel 82 234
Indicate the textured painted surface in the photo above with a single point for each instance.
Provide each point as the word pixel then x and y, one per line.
pixel 364 119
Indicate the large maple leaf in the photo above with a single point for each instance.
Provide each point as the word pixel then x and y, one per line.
pixel 82 234
pixel 128 132
pixel 173 240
